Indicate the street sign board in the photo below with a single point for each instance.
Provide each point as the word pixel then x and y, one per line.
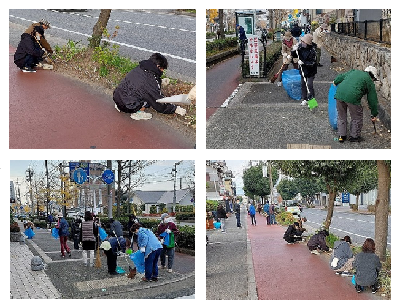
pixel 345 197
pixel 108 176
pixel 75 165
pixel 80 176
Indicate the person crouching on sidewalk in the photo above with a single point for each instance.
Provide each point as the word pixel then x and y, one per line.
pixel 141 88
pixel 29 53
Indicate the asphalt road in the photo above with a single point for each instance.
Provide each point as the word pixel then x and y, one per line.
pixel 141 33
pixel 357 226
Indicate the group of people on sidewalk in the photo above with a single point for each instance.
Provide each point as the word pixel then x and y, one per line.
pixel 342 260
pixel 304 52
pixel 138 91
pixel 266 210
pixel 88 233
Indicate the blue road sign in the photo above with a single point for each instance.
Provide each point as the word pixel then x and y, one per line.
pixel 345 197
pixel 108 176
pixel 80 176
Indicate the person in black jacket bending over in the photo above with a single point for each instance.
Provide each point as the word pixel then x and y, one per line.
pixel 29 53
pixel 140 89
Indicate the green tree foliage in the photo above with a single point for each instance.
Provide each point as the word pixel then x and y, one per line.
pixel 254 182
pixel 308 187
pixel 287 189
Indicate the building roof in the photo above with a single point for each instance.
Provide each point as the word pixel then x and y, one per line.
pixel 149 197
pixel 168 196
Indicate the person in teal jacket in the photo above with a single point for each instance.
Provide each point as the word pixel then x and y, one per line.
pixel 148 244
pixel 352 86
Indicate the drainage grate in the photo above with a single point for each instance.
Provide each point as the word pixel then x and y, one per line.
pixel 306 146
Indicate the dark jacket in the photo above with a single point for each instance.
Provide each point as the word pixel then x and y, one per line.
pixel 318 241
pixel 169 225
pixel 116 227
pixel 117 244
pixel 221 212
pixel 27 45
pixel 341 251
pixel 291 231
pixel 43 40
pixel 63 227
pixel 296 31
pixel 367 266
pixel 242 33
pixel 142 84
pixel 308 55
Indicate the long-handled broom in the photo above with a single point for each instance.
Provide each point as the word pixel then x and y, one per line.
pixel 273 79
pixel 312 103
pixel 98 259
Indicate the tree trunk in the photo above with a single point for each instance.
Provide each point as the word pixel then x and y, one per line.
pixel 382 209
pixel 99 27
pixel 356 206
pixel 119 196
pixel 331 204
pixel 221 23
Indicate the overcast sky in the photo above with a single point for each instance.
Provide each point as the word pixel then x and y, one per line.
pixel 237 167
pixel 159 175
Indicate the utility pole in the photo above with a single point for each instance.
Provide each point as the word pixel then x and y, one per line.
pixel 48 187
pixel 29 174
pixel 174 174
pixel 109 195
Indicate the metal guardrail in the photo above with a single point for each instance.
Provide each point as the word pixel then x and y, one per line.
pixel 373 30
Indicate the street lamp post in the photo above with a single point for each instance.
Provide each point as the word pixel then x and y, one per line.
pixel 174 173
pixel 29 174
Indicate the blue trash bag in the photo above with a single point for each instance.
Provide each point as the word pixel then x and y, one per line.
pixel 54 233
pixel 166 238
pixel 119 270
pixel 217 225
pixel 353 280
pixel 138 260
pixel 291 81
pixel 332 110
pixel 29 233
pixel 102 234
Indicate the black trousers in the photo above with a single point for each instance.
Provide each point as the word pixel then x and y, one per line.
pixel 111 260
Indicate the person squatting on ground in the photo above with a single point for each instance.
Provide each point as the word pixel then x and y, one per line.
pixel 111 247
pixel 29 53
pixel 148 244
pixel 89 234
pixel 221 215
pixel 237 213
pixel 252 212
pixel 293 233
pixel 317 242
pixel 367 266
pixel 342 257
pixel 318 38
pixel 351 87
pixel 141 87
pixel 288 43
pixel 63 232
pixel 43 42
pixel 169 228
pixel 307 55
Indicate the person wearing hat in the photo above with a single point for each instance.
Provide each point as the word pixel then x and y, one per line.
pixel 167 227
pixel 317 242
pixel 351 87
pixel 44 24
pixel 307 60
pixel 288 43
pixel 29 53
pixel 63 232
pixel 296 31
pixel 318 38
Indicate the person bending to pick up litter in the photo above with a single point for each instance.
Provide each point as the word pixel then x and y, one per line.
pixel 29 52
pixel 351 87
pixel 141 88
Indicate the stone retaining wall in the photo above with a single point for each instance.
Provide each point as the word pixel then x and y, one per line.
pixel 358 54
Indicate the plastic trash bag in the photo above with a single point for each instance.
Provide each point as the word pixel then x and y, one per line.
pixel 291 82
pixel 29 233
pixel 54 233
pixel 120 270
pixel 166 238
pixel 332 110
pixel 102 234
pixel 138 260
pixel 217 225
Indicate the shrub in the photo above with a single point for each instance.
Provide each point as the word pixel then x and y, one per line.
pixel 41 224
pixel 184 215
pixel 285 218
pixel 184 208
pixel 186 237
pixel 153 209
pixel 220 45
pixel 330 240
pixel 211 205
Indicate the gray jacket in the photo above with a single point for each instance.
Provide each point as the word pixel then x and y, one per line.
pixel 341 251
pixel 367 266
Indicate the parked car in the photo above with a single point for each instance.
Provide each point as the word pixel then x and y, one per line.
pixel 292 207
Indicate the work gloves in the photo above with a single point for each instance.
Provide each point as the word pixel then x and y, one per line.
pixel 180 111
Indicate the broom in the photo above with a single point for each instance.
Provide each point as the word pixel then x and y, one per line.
pixel 273 79
pixel 98 260
pixel 312 103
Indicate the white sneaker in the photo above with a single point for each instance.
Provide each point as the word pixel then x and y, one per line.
pixel 116 107
pixel 47 67
pixel 315 252
pixel 304 103
pixel 170 270
pixel 279 84
pixel 140 115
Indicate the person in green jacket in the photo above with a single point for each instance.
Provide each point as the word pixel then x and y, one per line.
pixel 354 84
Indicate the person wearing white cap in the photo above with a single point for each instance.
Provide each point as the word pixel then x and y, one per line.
pixel 167 227
pixel 318 38
pixel 351 87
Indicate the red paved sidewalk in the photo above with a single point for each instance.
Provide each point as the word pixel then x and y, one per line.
pixel 50 111
pixel 290 272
